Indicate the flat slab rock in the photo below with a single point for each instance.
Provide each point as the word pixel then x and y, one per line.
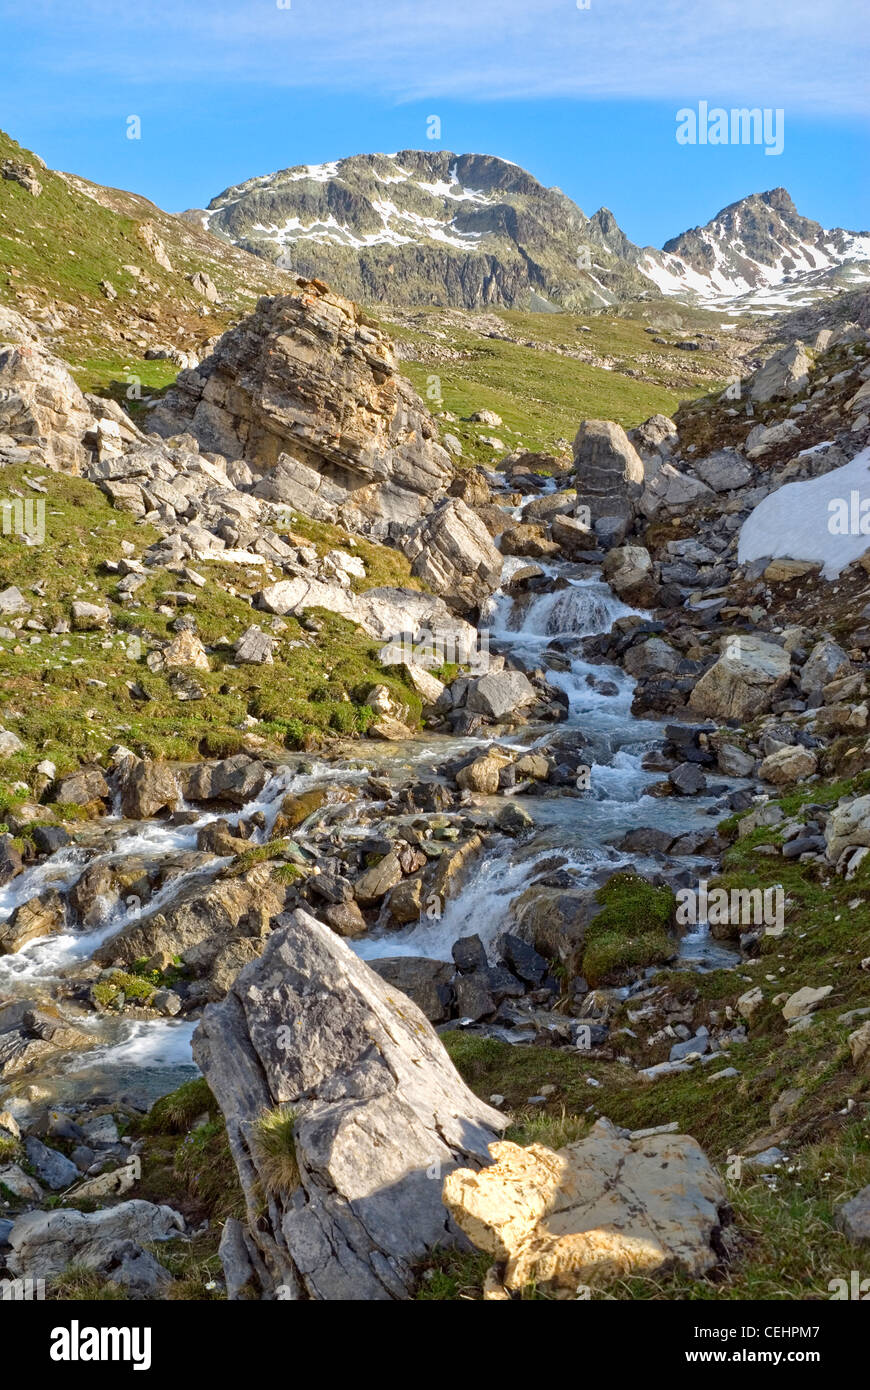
pixel 607 1205
pixel 379 1115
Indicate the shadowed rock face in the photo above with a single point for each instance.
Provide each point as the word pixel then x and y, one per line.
pixel 379 1115
pixel 307 375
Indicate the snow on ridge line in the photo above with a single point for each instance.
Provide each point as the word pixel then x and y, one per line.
pixel 818 520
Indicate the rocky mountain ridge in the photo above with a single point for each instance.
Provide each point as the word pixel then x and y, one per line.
pixel 476 231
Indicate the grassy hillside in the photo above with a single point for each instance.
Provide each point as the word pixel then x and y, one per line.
pixel 550 371
pixel 71 695
pixel 56 249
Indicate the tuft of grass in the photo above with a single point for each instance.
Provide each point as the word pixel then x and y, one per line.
pixel 632 930
pixel 205 1166
pixel 175 1113
pixel 273 1146
pixel 452 1275
pixel 9 1149
pixel 135 989
pixel 79 1285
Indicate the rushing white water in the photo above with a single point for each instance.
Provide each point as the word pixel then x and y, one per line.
pixel 578 828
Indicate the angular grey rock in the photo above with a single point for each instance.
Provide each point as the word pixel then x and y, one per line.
pixel 609 470
pixel 853 1218
pixel 45 1242
pixel 125 1263
pixel 377 1109
pixel 786 373
pixel 667 489
pixel 452 551
pixel 500 693
pixel 723 470
pixel 52 1168
pixel 826 662
pixel 254 647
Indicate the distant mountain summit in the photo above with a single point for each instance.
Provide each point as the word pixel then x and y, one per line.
pixel 761 251
pixel 426 227
pixel 475 231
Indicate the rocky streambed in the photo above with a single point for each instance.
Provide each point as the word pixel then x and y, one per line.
pixel 463 868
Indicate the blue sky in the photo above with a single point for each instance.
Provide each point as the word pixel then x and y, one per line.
pixel 583 98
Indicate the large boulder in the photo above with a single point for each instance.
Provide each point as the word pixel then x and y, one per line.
pixel 743 682
pixel 500 693
pixel 786 373
pixel 147 787
pixel 629 571
pixel 41 406
pixel 310 1044
pixel 607 1205
pixel 310 376
pixel 452 552
pixel 609 470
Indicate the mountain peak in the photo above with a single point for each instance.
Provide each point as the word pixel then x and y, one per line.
pixel 474 231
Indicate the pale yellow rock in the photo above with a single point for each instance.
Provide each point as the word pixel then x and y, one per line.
pixel 859 1046
pixel 481 776
pixel 607 1205
pixel 185 650
pixel 788 765
pixel 783 571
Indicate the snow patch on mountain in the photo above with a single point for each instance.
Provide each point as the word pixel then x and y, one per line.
pixel 803 521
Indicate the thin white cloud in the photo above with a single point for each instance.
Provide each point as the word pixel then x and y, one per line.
pixel 799 54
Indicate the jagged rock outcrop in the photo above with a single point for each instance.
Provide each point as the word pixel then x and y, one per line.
pixel 41 407
pixel 309 376
pixel 607 1205
pixel 451 551
pixel 377 1112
